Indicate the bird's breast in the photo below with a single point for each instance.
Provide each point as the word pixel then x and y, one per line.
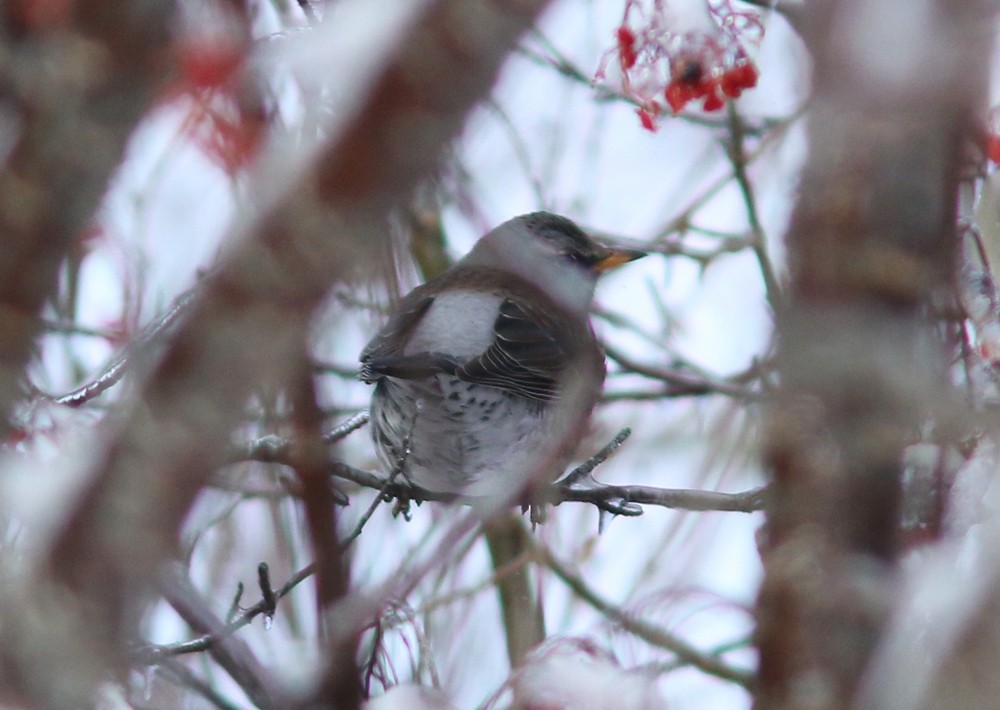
pixel 458 322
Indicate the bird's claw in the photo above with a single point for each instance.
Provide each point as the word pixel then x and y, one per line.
pixel 587 483
pixel 402 507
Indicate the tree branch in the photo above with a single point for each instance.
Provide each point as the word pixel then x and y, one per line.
pixel 871 246
pixel 646 631
pixel 230 653
pixel 274 449
pixel 69 139
pixel 281 264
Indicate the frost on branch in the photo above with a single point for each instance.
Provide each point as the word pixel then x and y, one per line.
pixel 669 55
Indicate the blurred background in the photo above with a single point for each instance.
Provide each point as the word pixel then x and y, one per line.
pixel 623 116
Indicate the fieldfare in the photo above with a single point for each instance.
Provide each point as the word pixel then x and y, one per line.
pixel 475 368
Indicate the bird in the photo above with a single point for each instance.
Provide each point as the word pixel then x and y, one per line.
pixel 491 370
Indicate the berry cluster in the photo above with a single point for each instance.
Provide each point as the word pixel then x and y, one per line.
pixel 709 64
pixel 690 80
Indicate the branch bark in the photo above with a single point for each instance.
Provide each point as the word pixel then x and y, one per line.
pixel 230 652
pixel 249 324
pixel 71 126
pixel 871 243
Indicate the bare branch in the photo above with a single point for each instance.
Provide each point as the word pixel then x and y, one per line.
pixel 68 143
pixel 646 631
pixel 152 654
pixel 277 273
pixel 681 383
pixel 153 334
pixel 746 502
pixel 586 469
pixel 871 246
pixel 758 240
pixel 233 655
pixel 272 450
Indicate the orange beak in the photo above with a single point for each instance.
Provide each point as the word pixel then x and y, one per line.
pixel 617 257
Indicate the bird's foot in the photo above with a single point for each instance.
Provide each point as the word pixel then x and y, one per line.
pixel 402 507
pixel 583 486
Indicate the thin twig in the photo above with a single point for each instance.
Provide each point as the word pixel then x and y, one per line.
pixel 674 498
pixel 366 516
pixel 350 426
pixel 116 369
pixel 586 468
pixel 67 327
pixel 521 151
pixel 681 383
pixel 272 448
pixel 680 499
pixel 232 654
pixel 490 582
pixel 153 654
pixel 266 593
pixel 646 631
pixel 681 222
pixel 234 608
pixel 738 158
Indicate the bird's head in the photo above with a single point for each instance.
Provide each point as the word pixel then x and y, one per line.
pixel 553 253
pixel 570 243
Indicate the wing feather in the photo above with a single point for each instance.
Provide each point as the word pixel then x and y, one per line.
pixel 525 357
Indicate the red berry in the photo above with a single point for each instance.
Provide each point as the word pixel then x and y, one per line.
pixel 993 148
pixel 646 119
pixel 677 95
pixel 713 102
pixel 703 88
pixel 740 77
pixel 626 47
pixel 730 84
pixel 747 75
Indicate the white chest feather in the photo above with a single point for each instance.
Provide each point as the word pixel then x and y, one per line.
pixel 459 323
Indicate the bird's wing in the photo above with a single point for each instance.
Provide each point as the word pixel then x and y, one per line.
pixel 525 358
pixel 383 356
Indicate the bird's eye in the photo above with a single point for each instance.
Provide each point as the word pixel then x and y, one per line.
pixel 575 258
